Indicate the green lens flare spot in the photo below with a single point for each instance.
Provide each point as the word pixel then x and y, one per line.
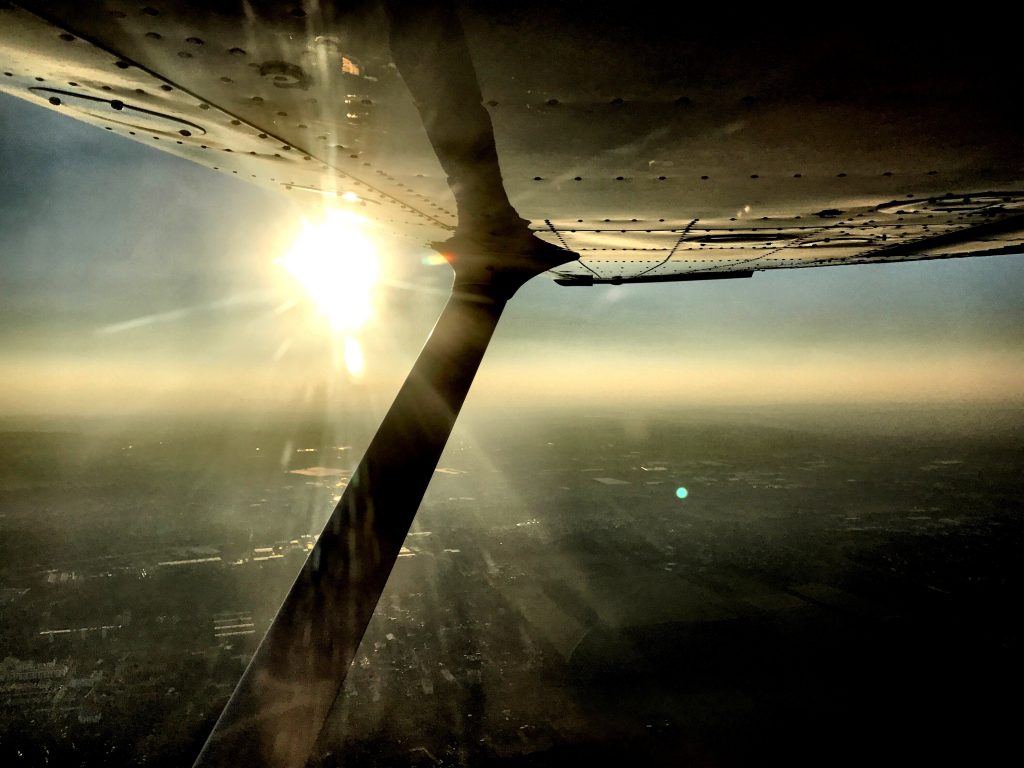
pixel 681 493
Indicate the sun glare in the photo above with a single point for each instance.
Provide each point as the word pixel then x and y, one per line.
pixel 355 363
pixel 337 265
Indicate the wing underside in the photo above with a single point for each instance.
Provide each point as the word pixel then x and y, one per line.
pixel 687 160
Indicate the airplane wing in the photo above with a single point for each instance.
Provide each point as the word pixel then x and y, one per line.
pixel 656 147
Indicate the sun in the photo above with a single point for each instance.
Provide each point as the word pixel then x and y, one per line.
pixel 338 266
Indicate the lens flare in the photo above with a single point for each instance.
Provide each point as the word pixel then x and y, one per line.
pixel 338 266
pixel 681 493
pixel 355 363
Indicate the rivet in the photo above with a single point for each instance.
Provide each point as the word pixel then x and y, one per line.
pixel 183 132
pixel 154 35
pixel 754 176
pixel 122 64
pixel 840 175
pixel 236 51
pixel 184 55
pixel 66 37
pixel 193 41
pixel 492 103
pixel 166 88
pixel 887 173
pixel 116 104
pixel 204 106
pixel 54 100
pixel 617 101
pixel 704 178
pixel 282 114
pixel 797 175
pixel 662 178
pixel 620 178
pixel 577 178
pixel 552 102
pixel 226 80
pixel 256 99
pixel 236 122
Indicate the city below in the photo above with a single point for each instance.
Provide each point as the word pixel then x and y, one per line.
pixel 657 590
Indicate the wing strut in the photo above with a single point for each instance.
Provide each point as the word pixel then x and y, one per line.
pixel 277 711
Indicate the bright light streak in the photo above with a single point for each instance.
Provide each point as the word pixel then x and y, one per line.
pixel 355 363
pixel 338 266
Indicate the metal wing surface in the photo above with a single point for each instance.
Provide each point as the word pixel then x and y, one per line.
pixel 657 145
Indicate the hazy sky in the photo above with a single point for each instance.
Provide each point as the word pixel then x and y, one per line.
pixel 136 282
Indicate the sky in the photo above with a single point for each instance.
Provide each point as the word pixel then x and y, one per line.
pixel 134 282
